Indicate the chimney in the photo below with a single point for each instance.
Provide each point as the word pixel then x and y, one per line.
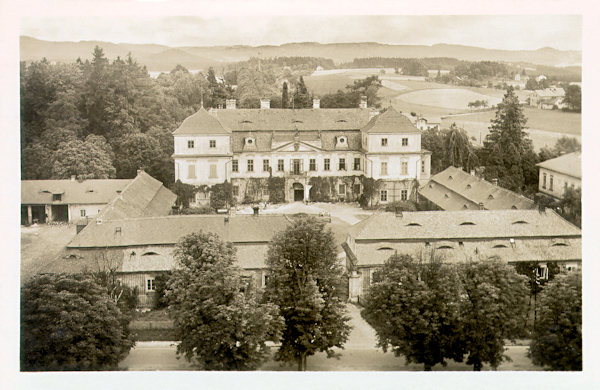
pixel 398 211
pixel 265 103
pixel 481 206
pixel 495 182
pixel 316 103
pixel 472 172
pixel 73 177
pixel 230 104
pixel 255 209
pixel 363 102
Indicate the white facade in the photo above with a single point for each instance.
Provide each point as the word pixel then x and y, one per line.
pixel 555 183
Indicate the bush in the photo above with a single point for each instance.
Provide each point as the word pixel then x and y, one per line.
pixel 198 210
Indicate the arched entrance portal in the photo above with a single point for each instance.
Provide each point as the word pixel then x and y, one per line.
pixel 298 192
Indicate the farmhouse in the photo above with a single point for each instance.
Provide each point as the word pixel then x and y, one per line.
pixel 138 249
pixel 66 200
pixel 560 173
pixel 311 151
pixel 455 189
pixel 426 123
pixel 547 99
pixel 511 235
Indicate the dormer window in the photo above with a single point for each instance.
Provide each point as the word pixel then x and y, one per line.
pixel 250 141
pixel 468 186
pixel 491 197
pixel 414 224
pixel 520 222
pixel 341 121
pixel 342 140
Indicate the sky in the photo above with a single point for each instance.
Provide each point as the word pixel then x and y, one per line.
pixel 510 32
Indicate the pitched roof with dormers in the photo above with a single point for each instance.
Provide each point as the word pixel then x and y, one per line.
pixel 391 121
pixel 95 191
pixel 201 122
pixel 455 189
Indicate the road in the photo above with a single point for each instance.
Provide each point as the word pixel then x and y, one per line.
pixel 360 354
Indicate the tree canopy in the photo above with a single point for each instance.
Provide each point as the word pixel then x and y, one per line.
pixel 217 315
pixel 68 322
pixel 556 341
pixel 412 307
pixel 304 281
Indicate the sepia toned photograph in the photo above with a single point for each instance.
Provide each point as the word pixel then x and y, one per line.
pixel 304 193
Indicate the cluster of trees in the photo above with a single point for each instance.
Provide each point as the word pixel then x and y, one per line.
pixel 431 312
pixel 449 147
pixel 224 321
pixel 428 311
pixel 572 98
pixel 478 104
pixel 350 97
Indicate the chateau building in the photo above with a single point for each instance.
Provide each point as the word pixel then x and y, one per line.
pixel 338 146
pixel 560 173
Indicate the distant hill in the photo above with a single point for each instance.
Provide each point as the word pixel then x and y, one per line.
pixel 162 58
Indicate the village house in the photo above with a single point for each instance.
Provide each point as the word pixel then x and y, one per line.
pixel 430 122
pixel 560 173
pixel 248 146
pixel 547 99
pixel 138 249
pixel 66 200
pixel 511 235
pixel 433 73
pixel 455 189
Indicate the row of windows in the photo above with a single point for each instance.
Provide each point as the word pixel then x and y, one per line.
pixel 551 187
pixel 383 195
pixel 384 142
pixel 211 144
pixel 296 165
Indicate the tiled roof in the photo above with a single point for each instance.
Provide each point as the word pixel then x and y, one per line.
pixel 452 251
pixel 550 92
pixel 267 141
pixel 202 123
pixel 455 189
pixel 168 230
pixel 489 224
pixel 95 191
pixel 569 164
pixel 144 196
pixel 391 121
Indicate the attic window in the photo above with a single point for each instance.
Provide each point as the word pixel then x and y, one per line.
pixel 90 190
pixel 427 243
pixel 446 196
pixel 71 256
pixel 450 177
pixel 519 222
pixel 444 247
pixel 150 254
pixel 465 206
pixel 560 244
pixel 341 120
pixel 514 207
pixel 46 191
pixel 385 248
pixel 430 185
pixel 119 191
pixel 414 224
pixel 491 197
pixel 466 223
pixel 246 121
pixel 468 186
pixel 499 246
pixel 297 121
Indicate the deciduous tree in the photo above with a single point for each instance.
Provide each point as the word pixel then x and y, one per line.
pixel 556 341
pixel 493 308
pixel 304 282
pixel 85 160
pixel 68 322
pixel 413 307
pixel 219 319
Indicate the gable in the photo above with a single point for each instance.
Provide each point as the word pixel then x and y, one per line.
pixel 298 146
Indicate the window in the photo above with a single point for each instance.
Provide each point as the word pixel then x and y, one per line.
pixel 234 166
pixel 312 164
pixel 213 171
pixel 383 195
pixel 357 163
pixel 544 181
pixel 384 170
pixel 404 168
pixel 191 171
pixel 250 165
pixel 404 195
pixel 150 284
pixel 212 143
pixel 404 141
pixel 342 189
pixel 266 166
pixel 466 223
pixel 384 142
pixel 357 189
pixel 342 165
pixel 542 272
pixel 56 197
pixel 550 187
pixel 280 165
pixel 235 190
pixel 82 213
pixel 422 166
pixel 326 164
pixel 190 144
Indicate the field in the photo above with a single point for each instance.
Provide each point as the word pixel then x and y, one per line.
pixel 451 98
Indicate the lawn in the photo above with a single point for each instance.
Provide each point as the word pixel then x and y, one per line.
pixel 447 98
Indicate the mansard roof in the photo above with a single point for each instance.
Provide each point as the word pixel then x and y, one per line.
pixel 201 123
pixel 391 121
pixel 270 141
